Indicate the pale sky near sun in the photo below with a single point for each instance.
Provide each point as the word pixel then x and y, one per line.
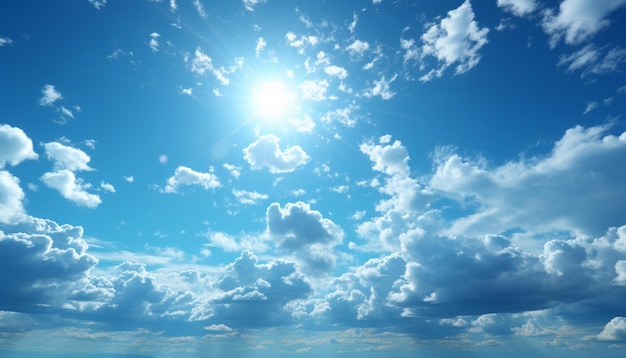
pixel 273 178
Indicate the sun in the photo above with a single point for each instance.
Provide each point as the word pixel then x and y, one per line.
pixel 273 100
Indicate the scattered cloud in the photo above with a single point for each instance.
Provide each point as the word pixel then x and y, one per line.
pixel 455 40
pixel 251 4
pixel 260 45
pixel 358 47
pixel 154 41
pixel 16 146
pixel 184 176
pixel 5 41
pixel 381 88
pixel 518 7
pixel 578 21
pixel 11 198
pixel 199 8
pixel 50 95
pixel 71 188
pixel 98 4
pixel 249 197
pixel 66 157
pixel 266 152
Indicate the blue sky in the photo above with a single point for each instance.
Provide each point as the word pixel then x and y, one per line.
pixel 265 178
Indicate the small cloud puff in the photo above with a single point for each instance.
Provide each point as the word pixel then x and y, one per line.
pixel 187 176
pixel 266 152
pixel 15 146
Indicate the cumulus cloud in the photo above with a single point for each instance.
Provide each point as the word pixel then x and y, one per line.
pixel 577 21
pixel 554 192
pixel 40 262
pixel 358 47
pixel 305 233
pixel 255 294
pixel 345 116
pixel 50 95
pixel 615 330
pixel 187 176
pixel 11 198
pixel 15 146
pixel 266 152
pixel 518 7
pixel 314 90
pixel 455 40
pixel 71 188
pixel 66 157
pixel 336 71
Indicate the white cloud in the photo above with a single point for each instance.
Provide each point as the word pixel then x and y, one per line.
pixel 578 21
pixel 381 88
pixel 187 176
pixel 266 152
pixel 455 40
pixel 358 47
pixel 615 330
pixel 173 5
pixel 305 233
pixel 129 179
pixel 65 157
pixel 15 146
pixel 352 25
pixel 154 41
pixel 302 42
pixel 233 170
pixel 250 4
pixel 591 60
pixel 71 188
pixel 518 7
pixel 248 197
pixel 336 71
pixel 202 63
pixel 548 193
pixel 98 4
pixel 260 45
pixel 107 187
pixel 591 106
pixel 314 90
pixel 411 50
pixel 187 91
pixel 50 95
pixel 303 124
pixel 11 197
pixel 230 243
pixel 199 8
pixel 5 41
pixel 345 116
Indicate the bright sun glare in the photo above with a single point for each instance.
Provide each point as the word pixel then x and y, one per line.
pixel 273 100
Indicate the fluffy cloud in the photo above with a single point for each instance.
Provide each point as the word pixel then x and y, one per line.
pixel 98 4
pixel 266 152
pixel 154 41
pixel 67 158
pixel 518 7
pixel 15 146
pixel 50 95
pixel 336 71
pixel 40 263
pixel 358 47
pixel 254 294
pixel 314 90
pixel 615 330
pixel 381 88
pixel 567 190
pixel 71 188
pixel 455 40
pixel 304 232
pixel 187 176
pixel 11 197
pixel 578 21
